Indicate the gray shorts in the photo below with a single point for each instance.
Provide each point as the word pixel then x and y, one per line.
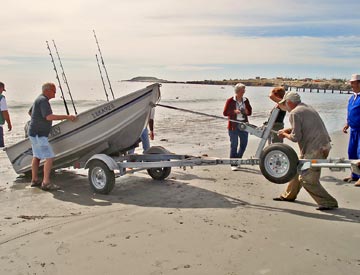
pixel 41 147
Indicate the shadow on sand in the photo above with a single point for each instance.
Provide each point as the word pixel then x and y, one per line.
pixel 145 192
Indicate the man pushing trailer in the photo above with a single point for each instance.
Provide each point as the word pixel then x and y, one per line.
pixel 309 131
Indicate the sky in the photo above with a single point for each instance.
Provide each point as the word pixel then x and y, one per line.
pixel 177 40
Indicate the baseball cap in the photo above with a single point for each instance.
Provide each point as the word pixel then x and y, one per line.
pixel 355 77
pixel 292 96
pixel 2 85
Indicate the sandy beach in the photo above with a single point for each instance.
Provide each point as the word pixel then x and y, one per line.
pixel 207 220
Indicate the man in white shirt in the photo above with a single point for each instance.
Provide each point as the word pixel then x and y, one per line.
pixel 4 114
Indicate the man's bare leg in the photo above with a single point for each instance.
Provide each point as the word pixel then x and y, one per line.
pixel 47 170
pixel 35 169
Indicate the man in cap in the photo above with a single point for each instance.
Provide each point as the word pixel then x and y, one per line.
pixel 309 131
pixel 353 122
pixel 4 114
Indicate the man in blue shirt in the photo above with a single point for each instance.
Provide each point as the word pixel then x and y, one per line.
pixel 353 122
pixel 39 129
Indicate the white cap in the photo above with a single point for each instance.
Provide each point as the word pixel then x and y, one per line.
pixel 292 96
pixel 355 77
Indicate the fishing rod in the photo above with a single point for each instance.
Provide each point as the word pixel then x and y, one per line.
pixel 64 77
pixel 102 78
pixel 58 79
pixel 103 63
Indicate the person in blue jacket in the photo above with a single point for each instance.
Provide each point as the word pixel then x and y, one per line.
pixel 353 122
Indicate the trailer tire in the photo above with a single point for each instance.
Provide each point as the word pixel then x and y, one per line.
pixel 160 173
pixel 278 163
pixel 101 178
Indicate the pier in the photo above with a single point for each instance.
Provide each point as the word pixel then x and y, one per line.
pixel 318 90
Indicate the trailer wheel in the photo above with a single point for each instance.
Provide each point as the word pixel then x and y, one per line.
pixel 160 173
pixel 101 178
pixel 278 163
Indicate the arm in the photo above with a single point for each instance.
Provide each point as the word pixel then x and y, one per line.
pixel 294 134
pixel 226 111
pixel 346 127
pixel 229 110
pixel 60 117
pixel 151 126
pixel 7 119
pixel 248 108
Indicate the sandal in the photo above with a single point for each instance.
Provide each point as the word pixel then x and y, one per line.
pixel 35 183
pixel 49 187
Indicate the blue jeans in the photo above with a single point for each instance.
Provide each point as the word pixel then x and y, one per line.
pixel 235 135
pixel 354 148
pixel 144 140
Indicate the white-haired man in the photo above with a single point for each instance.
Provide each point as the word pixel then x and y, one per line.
pixel 309 131
pixel 39 130
pixel 237 107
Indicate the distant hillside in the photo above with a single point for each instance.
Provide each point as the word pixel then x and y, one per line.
pixel 147 79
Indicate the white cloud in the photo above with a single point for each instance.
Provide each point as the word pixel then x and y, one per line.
pixel 163 37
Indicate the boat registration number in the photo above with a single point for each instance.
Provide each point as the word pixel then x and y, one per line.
pixel 103 110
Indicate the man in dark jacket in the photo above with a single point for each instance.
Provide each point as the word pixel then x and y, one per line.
pixel 237 108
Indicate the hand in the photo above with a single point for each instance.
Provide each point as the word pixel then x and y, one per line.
pixel 346 127
pixel 71 118
pixel 288 130
pixel 237 111
pixel 152 135
pixel 281 133
pixel 9 127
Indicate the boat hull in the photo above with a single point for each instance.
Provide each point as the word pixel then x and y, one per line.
pixel 110 128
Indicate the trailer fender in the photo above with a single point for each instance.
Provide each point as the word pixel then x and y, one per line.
pixel 157 150
pixel 109 161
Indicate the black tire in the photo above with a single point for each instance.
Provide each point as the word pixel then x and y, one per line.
pixel 101 178
pixel 278 163
pixel 159 173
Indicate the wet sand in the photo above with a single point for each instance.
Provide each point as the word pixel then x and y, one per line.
pixel 206 220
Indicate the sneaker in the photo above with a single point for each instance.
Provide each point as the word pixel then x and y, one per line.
pixel 281 198
pixel 324 208
pixel 349 179
pixel 235 168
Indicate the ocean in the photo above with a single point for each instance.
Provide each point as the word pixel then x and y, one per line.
pixel 185 128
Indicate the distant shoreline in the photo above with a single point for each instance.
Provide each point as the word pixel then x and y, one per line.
pixel 307 83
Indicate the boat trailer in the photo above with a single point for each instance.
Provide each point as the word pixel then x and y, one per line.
pixel 278 162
